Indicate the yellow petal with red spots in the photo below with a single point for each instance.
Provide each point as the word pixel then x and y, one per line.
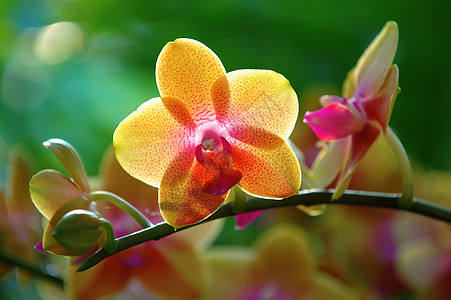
pixel 147 140
pixel 181 199
pixel 256 99
pixel 50 190
pixel 273 173
pixel 186 69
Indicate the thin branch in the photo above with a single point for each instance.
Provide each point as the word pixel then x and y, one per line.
pixel 13 261
pixel 306 197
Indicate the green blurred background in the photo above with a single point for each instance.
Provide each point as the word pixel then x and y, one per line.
pixel 78 80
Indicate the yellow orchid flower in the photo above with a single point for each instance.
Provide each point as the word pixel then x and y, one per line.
pixel 209 131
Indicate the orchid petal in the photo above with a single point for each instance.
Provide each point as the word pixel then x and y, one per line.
pixel 203 235
pixel 334 121
pixel 50 190
pixel 18 178
pixel 114 179
pixel 172 268
pixel 69 157
pixel 144 147
pixel 379 108
pixel 328 163
pixel 271 173
pixel 186 69
pixel 256 99
pixel 181 198
pixel 222 183
pixel 98 281
pixel 372 67
pixel 360 144
pixel 421 262
pixel 245 219
pixel 223 263
pixel 284 254
pixel 313 210
pixel 324 286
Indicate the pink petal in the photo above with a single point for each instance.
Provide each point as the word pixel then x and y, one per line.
pixel 333 122
pixel 360 144
pixel 244 220
pixel 379 107
pixel 39 247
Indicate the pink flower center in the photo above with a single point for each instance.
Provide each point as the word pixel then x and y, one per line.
pixel 215 153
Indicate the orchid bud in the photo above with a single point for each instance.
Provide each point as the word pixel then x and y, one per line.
pixel 79 231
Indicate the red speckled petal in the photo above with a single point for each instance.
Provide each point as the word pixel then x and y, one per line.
pixel 256 99
pixel 181 199
pixel 186 69
pixel 271 173
pixel 147 140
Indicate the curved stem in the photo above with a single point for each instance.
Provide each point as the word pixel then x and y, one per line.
pixel 122 204
pixel 305 197
pixel 110 244
pixel 408 181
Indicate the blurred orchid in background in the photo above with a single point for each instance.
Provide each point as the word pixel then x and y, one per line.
pixel 209 131
pixel 19 222
pixel 281 265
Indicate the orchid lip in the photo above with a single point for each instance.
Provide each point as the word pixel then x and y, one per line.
pixel 214 153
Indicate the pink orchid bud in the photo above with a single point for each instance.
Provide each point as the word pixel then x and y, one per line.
pixel 334 121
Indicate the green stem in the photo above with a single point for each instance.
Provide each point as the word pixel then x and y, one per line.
pixel 122 204
pixel 110 244
pixel 13 261
pixel 408 182
pixel 306 197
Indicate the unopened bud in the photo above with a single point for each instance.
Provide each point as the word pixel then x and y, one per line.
pixel 78 231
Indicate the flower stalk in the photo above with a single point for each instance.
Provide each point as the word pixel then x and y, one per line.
pixel 406 200
pixel 122 204
pixel 305 197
